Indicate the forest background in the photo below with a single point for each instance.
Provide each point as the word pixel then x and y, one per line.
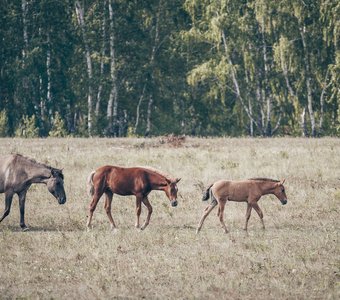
pixel 139 68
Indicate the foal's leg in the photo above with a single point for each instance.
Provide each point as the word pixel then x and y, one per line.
pixel 93 206
pixel 247 216
pixel 221 209
pixel 149 207
pixel 259 212
pixel 8 203
pixel 138 210
pixel 107 206
pixel 207 211
pixel 22 200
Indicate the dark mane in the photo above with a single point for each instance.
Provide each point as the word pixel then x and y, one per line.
pixel 56 170
pixel 264 179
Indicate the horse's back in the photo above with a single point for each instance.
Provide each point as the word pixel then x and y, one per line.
pixel 121 181
pixel 232 190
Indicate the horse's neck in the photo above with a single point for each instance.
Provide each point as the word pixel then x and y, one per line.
pixel 159 182
pixel 267 187
pixel 37 173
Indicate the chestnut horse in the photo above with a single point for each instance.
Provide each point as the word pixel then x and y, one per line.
pixel 249 191
pixel 138 181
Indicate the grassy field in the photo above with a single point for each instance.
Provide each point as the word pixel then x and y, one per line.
pixel 296 257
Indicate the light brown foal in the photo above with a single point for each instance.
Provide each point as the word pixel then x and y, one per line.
pixel 249 191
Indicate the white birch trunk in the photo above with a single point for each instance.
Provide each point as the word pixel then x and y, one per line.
pixel 234 79
pixel 138 108
pixel 100 87
pixel 148 119
pixel 24 23
pixel 81 22
pixel 112 106
pixel 267 98
pixel 308 81
pixel 48 71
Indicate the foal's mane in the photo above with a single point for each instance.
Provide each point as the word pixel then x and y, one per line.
pixel 264 179
pixel 157 172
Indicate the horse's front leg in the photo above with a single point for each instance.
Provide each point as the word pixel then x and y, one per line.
pixel 8 203
pixel 22 200
pixel 259 212
pixel 149 207
pixel 247 216
pixel 138 209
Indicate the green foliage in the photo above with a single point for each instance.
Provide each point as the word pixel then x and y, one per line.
pixel 27 128
pixel 3 123
pixel 58 128
pixel 184 54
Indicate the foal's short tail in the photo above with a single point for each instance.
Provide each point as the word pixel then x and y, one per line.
pixel 206 194
pixel 90 186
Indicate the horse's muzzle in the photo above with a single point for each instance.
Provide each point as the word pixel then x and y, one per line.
pixel 284 201
pixel 174 203
pixel 62 200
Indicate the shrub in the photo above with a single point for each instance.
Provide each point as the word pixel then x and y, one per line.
pixel 3 123
pixel 27 128
pixel 58 127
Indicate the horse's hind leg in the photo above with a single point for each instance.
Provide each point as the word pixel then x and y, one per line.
pixel 8 203
pixel 207 211
pixel 221 208
pixel 107 206
pixel 138 210
pixel 93 206
pixel 149 207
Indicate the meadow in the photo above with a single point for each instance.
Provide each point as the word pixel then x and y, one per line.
pixel 296 257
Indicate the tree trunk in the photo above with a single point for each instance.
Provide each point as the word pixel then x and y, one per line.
pixel 148 119
pixel 138 109
pixel 81 22
pixel 308 81
pixel 303 123
pixel 48 71
pixel 266 96
pixel 24 24
pixel 100 87
pixel 234 79
pixel 324 86
pixel 112 107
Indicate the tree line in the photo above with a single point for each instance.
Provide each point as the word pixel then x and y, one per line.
pixel 197 67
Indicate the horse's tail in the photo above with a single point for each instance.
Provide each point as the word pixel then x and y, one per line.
pixel 206 194
pixel 90 185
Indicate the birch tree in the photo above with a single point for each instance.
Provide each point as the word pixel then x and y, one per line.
pixel 81 21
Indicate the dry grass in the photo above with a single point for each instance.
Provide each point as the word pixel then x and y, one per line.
pixel 296 257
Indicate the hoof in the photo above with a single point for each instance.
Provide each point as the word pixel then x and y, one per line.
pixel 25 229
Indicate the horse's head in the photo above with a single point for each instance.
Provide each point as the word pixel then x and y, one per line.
pixel 55 185
pixel 171 191
pixel 280 192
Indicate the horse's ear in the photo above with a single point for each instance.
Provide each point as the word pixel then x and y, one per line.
pixel 283 181
pixel 177 180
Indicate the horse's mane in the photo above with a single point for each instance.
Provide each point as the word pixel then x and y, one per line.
pixel 36 162
pixel 157 172
pixel 264 179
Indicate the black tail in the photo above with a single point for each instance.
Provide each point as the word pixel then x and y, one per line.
pixel 206 194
